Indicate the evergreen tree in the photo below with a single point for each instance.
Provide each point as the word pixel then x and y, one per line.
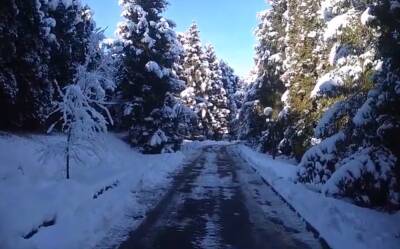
pixel 178 122
pixel 266 89
pixel 231 84
pixel 369 172
pixel 194 73
pixel 338 61
pixel 217 110
pixel 269 68
pixel 71 36
pixel 149 51
pixel 206 80
pixel 43 41
pixel 24 84
pixel 356 161
pixel 251 121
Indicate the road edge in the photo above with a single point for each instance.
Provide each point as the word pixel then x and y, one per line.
pixel 309 226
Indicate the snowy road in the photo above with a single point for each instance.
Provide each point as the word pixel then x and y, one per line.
pixel 218 201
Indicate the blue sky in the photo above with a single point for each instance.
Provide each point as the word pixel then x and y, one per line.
pixel 227 24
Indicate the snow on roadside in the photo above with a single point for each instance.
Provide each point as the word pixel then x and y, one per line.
pixel 34 194
pixel 340 223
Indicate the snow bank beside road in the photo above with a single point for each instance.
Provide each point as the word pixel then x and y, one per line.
pixel 341 224
pixel 50 212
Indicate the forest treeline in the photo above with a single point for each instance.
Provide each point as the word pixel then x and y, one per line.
pixel 157 86
pixel 324 90
pixel 327 76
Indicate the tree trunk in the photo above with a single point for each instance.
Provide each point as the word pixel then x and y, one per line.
pixel 274 142
pixel 68 153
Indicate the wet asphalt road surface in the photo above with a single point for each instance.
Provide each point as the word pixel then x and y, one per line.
pixel 218 201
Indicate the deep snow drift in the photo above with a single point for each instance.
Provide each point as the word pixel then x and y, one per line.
pixel 50 212
pixel 340 223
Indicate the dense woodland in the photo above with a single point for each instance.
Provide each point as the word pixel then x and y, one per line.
pixel 324 90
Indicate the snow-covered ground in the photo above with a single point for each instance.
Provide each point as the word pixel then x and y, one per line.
pixel 40 209
pixel 340 223
pixel 50 212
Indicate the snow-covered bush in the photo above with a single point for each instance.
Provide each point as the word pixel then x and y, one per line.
pixel 367 177
pixel 318 163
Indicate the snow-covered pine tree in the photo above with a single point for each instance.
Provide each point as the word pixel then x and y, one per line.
pixel 179 69
pixel 8 81
pixel 266 89
pixel 337 61
pixel 369 170
pixel 81 109
pixel 231 84
pixel 336 85
pixel 43 41
pixel 146 76
pixel 205 92
pixel 269 68
pixel 302 53
pixel 178 122
pixel 251 121
pixel 72 27
pixel 216 120
pixel 24 84
pixel 194 73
